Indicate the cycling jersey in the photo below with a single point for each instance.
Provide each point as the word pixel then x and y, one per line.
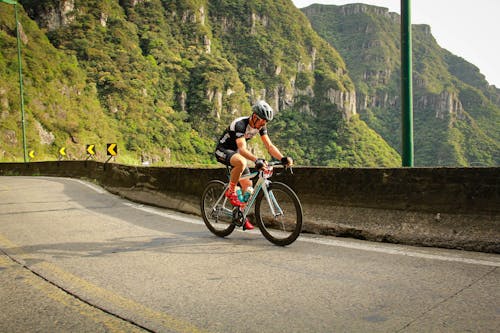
pixel 238 128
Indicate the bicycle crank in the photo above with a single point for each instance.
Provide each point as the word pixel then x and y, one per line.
pixel 237 217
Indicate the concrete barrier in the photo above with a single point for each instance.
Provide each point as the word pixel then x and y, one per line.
pixel 455 208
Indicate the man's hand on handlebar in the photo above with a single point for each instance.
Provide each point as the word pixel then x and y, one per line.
pixel 287 161
pixel 260 163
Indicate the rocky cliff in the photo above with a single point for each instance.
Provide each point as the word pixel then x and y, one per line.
pixel 454 106
pixel 163 79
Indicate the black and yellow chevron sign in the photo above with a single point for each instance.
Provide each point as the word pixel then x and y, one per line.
pixel 90 149
pixel 62 151
pixel 31 154
pixel 112 149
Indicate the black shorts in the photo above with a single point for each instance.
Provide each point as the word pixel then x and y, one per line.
pixel 224 155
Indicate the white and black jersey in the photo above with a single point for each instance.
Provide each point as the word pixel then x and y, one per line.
pixel 227 147
pixel 238 128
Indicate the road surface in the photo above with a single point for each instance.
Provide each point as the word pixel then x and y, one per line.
pixel 74 258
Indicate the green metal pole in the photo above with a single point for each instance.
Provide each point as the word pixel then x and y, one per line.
pixel 406 86
pixel 21 93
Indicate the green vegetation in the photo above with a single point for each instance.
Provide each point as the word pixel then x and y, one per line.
pixel 61 107
pixel 456 112
pixel 164 78
pixel 346 144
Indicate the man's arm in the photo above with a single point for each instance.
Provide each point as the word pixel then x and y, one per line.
pixel 242 149
pixel 271 148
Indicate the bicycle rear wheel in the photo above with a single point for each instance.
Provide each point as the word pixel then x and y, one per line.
pixel 216 210
pixel 284 225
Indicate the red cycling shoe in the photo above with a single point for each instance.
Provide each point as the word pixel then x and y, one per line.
pixel 233 198
pixel 247 225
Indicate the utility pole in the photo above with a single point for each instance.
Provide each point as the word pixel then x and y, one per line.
pixel 406 85
pixel 21 93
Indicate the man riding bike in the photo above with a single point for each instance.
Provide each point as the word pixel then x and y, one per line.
pixel 232 149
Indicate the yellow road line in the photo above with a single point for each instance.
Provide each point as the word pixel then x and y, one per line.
pixel 5 262
pixel 111 323
pixel 105 299
pixel 98 297
pixel 6 243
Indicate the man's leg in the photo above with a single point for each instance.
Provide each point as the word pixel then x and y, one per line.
pixel 239 163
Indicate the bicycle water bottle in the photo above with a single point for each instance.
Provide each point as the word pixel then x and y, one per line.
pixel 248 193
pixel 240 195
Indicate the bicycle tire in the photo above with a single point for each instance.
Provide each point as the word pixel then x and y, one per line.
pixel 282 230
pixel 216 220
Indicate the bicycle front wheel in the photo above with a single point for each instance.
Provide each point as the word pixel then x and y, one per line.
pixel 216 210
pixel 279 217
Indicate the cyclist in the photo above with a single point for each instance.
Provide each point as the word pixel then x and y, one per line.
pixel 232 149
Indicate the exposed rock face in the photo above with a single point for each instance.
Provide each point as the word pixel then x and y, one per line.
pixel 255 18
pixel 10 137
pixel 182 100
pixel 53 18
pixel 4 104
pixel 446 103
pixel 378 77
pixel 207 43
pixel 201 12
pixel 46 137
pixel 104 19
pixel 345 100
pixel 215 96
pixel 381 100
pixel 356 8
pixel 443 104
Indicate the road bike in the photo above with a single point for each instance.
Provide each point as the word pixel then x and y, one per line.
pixel 278 211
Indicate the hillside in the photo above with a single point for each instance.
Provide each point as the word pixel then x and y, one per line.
pixel 456 111
pixel 61 107
pixel 164 78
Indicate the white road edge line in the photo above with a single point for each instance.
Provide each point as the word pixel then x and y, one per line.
pixel 333 242
pixel 386 250
pixel 303 238
pixel 156 211
pixel 96 188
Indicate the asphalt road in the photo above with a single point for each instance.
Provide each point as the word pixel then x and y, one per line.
pixel 74 258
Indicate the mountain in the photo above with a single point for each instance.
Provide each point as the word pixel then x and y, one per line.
pixel 61 107
pixel 456 111
pixel 164 78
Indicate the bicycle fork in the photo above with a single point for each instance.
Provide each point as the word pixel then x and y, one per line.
pixel 269 196
pixel 271 200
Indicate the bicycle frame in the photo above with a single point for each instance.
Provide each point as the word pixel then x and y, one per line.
pixel 261 185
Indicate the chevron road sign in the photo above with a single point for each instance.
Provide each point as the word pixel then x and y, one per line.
pixel 112 149
pixel 90 149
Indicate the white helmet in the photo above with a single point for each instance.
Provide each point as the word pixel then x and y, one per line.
pixel 263 110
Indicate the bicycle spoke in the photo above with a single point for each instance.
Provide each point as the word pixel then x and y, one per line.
pixel 215 209
pixel 280 215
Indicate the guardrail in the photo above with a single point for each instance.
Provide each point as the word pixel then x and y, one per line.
pixel 443 207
